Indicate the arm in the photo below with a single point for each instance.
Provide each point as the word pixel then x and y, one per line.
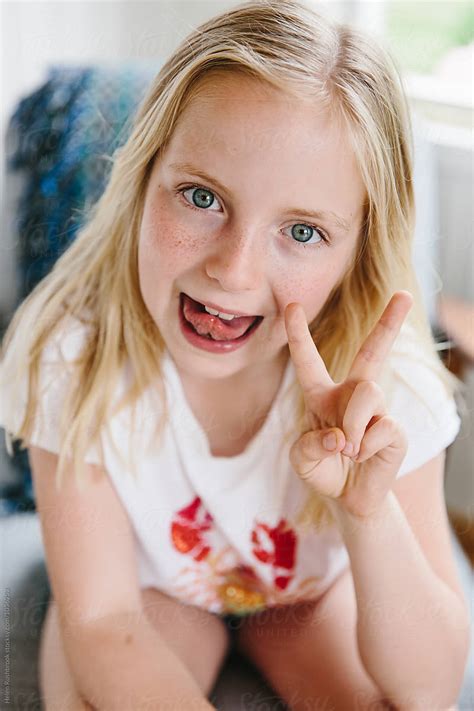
pixel 121 662
pixel 412 623
pixel 113 651
pixel 413 626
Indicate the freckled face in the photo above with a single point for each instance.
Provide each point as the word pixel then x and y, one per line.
pixel 247 248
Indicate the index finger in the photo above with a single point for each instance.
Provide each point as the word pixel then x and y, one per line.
pixel 310 368
pixel 370 359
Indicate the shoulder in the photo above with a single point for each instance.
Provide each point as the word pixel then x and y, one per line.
pixel 66 341
pixel 63 345
pixel 43 396
pixel 419 397
pixel 57 362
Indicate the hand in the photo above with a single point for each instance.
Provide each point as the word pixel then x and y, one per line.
pixel 358 469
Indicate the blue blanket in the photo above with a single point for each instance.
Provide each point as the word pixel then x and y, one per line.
pixel 61 137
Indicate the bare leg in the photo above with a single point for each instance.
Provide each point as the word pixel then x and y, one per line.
pixel 199 638
pixel 308 652
pixel 57 687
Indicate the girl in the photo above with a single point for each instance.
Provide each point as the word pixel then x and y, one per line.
pixel 233 363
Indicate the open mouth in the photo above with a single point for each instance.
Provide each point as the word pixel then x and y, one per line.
pixel 213 328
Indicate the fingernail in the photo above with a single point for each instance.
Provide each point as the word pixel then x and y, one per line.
pixel 348 448
pixel 330 441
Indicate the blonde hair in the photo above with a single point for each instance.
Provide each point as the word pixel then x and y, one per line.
pixel 291 48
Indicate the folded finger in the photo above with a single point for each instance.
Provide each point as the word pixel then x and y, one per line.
pixel 366 402
pixel 386 438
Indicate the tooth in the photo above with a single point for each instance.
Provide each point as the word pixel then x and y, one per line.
pixel 213 312
pixel 226 317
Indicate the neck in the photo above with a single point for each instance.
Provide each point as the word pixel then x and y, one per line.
pixel 249 391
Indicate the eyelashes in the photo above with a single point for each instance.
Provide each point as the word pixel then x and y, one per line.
pixel 325 240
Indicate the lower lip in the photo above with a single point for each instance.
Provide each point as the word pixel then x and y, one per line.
pixel 206 344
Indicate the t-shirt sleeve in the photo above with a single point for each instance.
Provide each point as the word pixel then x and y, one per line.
pixel 55 375
pixel 420 401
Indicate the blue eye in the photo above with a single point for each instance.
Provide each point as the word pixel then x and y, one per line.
pixel 300 232
pixel 203 198
pixel 200 196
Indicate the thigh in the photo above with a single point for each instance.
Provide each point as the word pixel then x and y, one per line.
pixel 198 637
pixel 308 652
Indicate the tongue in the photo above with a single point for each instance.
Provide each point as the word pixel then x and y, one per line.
pixel 219 329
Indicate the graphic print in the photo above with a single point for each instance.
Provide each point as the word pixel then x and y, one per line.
pixel 219 581
pixel 188 530
pixel 276 547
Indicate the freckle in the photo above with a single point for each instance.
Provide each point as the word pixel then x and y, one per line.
pixel 128 639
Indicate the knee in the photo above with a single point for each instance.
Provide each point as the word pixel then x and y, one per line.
pixel 56 684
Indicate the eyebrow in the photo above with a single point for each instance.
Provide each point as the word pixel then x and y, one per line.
pixel 312 214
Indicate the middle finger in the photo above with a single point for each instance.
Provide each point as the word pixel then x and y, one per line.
pixel 371 357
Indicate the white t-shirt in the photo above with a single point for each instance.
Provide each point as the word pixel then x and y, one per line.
pixel 221 532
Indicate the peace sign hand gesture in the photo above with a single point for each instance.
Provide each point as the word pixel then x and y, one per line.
pixel 351 413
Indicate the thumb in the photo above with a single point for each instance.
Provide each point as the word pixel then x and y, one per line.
pixel 313 447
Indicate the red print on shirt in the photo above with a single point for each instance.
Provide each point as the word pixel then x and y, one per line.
pixel 187 529
pixel 222 582
pixel 276 547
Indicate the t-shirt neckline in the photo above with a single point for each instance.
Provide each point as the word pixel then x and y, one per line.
pixel 199 440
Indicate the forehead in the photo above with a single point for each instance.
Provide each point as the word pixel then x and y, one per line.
pixel 268 147
pixel 237 114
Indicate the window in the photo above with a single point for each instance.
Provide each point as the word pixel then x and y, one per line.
pixel 433 44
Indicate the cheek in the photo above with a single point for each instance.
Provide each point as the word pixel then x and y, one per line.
pixel 157 229
pixel 308 286
pixel 165 245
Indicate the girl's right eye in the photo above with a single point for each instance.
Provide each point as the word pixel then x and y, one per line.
pixel 202 197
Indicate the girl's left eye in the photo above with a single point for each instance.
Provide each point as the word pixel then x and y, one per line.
pixel 299 230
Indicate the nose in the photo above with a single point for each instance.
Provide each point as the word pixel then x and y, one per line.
pixel 236 261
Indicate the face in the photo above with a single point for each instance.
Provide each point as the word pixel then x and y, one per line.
pixel 240 237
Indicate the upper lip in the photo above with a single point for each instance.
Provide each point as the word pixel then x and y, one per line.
pixel 221 309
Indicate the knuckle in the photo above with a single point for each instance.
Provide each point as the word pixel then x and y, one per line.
pixel 370 355
pixel 393 429
pixel 390 422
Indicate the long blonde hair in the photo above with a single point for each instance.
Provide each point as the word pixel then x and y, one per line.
pixel 292 49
